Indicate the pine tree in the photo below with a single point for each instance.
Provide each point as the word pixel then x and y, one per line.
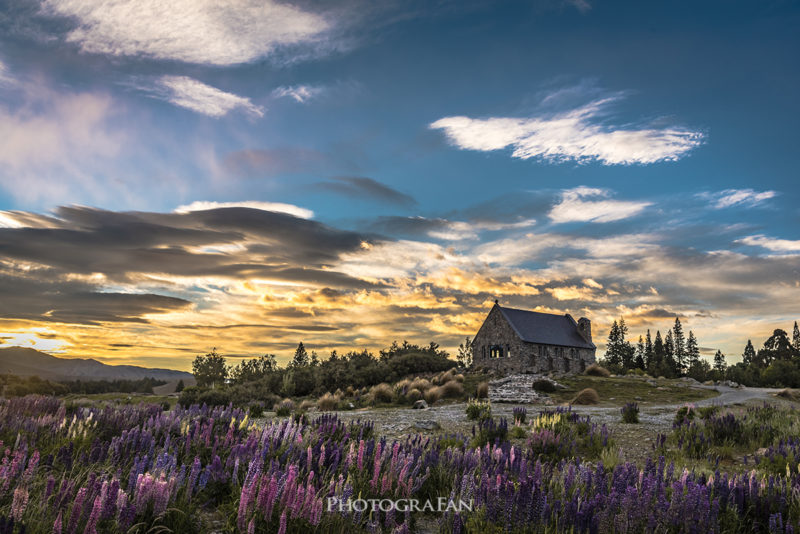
pixel 627 352
pixel 719 362
pixel 659 355
pixel 692 351
pixel 648 351
pixel 669 354
pixel 796 339
pixel 679 346
pixel 749 355
pixel 300 357
pixel 639 359
pixel 613 356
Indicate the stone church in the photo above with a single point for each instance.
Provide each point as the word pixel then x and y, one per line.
pixel 521 341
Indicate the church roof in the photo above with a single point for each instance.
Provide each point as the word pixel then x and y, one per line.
pixel 545 328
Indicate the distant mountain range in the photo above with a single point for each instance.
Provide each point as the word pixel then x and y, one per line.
pixel 26 362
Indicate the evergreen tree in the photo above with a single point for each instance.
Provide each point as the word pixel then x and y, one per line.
pixel 719 362
pixel 659 354
pixel 300 357
pixel 749 355
pixel 639 359
pixel 679 346
pixel 777 347
pixel 464 356
pixel 648 351
pixel 613 354
pixel 179 386
pixel 314 359
pixel 692 350
pixel 626 350
pixel 796 339
pixel 670 363
pixel 210 369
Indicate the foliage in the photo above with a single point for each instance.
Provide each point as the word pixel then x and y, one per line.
pixel 630 413
pixel 464 356
pixel 490 432
pixel 210 370
pixel 284 408
pixel 597 370
pixel 586 396
pixel 544 385
pixel 382 393
pixel 482 391
pixel 478 409
pixel 520 415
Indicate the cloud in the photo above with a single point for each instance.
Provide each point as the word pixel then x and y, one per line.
pixel 771 243
pixel 575 135
pixel 193 31
pixel 363 187
pixel 276 161
pixel 299 93
pixel 738 197
pixel 574 208
pixel 278 207
pixel 196 96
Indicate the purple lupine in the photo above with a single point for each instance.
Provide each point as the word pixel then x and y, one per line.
pixel 77 511
pixel 19 503
pixel 91 524
pixel 57 524
pixel 282 525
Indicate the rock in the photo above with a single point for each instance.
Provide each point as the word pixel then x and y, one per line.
pixel 661 388
pixel 427 425
pixel 518 389
pixel 420 405
pixel 708 383
pixel 351 406
pixel 637 398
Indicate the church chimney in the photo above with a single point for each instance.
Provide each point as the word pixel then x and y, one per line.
pixel 585 329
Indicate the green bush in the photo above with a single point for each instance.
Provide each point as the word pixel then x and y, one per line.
pixel 214 397
pixel 479 409
pixel 630 413
pixel 284 408
pixel 256 411
pixel 543 385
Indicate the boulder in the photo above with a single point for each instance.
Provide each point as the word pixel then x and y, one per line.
pixel 420 405
pixel 427 425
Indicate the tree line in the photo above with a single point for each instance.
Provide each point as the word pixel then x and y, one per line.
pixel 676 354
pixel 263 379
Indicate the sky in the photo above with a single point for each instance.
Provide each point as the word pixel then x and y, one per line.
pixel 179 176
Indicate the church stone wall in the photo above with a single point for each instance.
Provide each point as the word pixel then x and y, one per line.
pixel 522 357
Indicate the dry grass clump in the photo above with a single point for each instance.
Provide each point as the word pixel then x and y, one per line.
pixel 459 377
pixel 401 387
pixel 420 384
pixel 586 396
pixel 349 391
pixel 452 389
pixel 791 394
pixel 482 391
pixel 306 405
pixel 596 370
pixel 413 395
pixel 328 402
pixel 382 393
pixel 433 395
pixel 444 377
pixel 338 393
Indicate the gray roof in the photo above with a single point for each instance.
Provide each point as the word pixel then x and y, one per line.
pixel 545 328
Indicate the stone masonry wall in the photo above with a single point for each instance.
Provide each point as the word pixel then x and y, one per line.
pixel 524 357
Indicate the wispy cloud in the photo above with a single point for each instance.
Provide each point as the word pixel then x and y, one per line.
pixel 574 135
pixel 574 207
pixel 771 243
pixel 193 31
pixel 196 96
pixel 277 207
pixel 299 93
pixel 738 197
pixel 363 187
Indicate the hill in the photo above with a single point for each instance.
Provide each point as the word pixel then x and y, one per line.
pixel 26 362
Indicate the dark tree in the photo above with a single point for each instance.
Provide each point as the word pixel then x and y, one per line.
pixel 777 347
pixel 613 355
pixel 749 354
pixel 692 350
pixel 639 358
pixel 648 351
pixel 796 339
pixel 179 386
pixel 210 370
pixel 300 357
pixel 464 356
pixel 719 362
pixel 679 346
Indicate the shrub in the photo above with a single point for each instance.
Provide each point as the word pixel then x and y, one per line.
pixel 518 432
pixel 349 391
pixel 452 389
pixel 482 391
pixel 306 405
pixel 381 393
pixel 284 408
pixel 459 377
pixel 597 370
pixel 255 411
pixel 586 396
pixel 630 413
pixel 479 409
pixel 413 395
pixel 402 387
pixel 189 396
pixel 544 385
pixel 214 397
pixel 520 415
pixel 433 395
pixel 684 414
pixel 791 394
pixel 420 384
pixel 490 431
pixel 327 403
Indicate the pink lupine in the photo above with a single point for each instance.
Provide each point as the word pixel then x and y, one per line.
pixel 360 462
pixel 321 463
pixel 19 503
pixel 308 457
pixel 91 524
pixel 251 527
pixel 32 463
pixel 376 469
pixel 77 511
pixel 57 524
pixel 282 525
